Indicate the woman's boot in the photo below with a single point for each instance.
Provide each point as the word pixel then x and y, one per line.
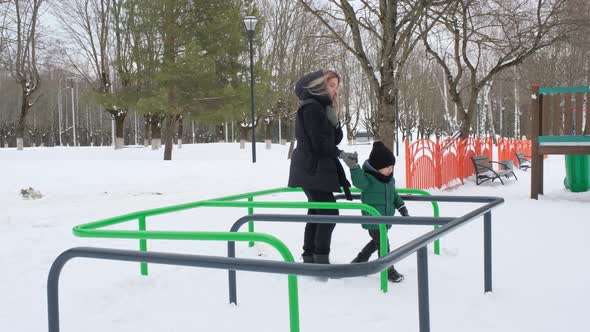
pixel 321 259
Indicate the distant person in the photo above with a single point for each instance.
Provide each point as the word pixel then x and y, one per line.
pixel 314 162
pixel 377 184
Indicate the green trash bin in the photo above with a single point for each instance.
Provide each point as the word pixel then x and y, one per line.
pixel 577 173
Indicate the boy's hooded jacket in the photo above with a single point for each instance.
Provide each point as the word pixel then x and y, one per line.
pixel 380 195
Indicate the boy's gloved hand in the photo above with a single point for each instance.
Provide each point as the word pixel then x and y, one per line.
pixel 403 210
pixel 350 159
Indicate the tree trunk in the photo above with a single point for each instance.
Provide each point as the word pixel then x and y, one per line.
pixel 147 136
pixel 516 105
pixel 467 116
pixel 119 127
pixel 465 127
pixel 386 126
pixel 20 125
pixel 170 123
pixel 243 135
pixel 180 132
pixel 292 144
pixel 20 130
pixel 268 134
pixel 156 129
pixel 350 135
pixel 219 132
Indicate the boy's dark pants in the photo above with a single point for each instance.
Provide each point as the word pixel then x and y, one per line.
pixel 318 237
pixel 371 247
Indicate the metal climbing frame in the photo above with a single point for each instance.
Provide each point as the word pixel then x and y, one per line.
pixel 289 267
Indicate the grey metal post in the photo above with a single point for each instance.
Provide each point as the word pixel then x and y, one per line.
pixel 53 292
pixel 231 252
pixel 487 248
pixel 423 304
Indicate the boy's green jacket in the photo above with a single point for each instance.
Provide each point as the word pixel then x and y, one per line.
pixel 382 196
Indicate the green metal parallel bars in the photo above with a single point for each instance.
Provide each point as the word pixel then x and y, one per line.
pixel 225 203
pixel 250 223
pixel 229 201
pixel 409 191
pixel 143 246
pixel 436 244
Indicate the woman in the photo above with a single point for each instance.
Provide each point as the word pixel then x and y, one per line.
pixel 314 163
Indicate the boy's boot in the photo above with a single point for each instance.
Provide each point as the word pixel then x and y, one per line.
pixel 394 276
pixel 366 253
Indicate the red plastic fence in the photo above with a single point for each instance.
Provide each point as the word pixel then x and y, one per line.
pixel 436 164
pixel 507 149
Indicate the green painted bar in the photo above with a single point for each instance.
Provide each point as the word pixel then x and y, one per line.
pixel 250 223
pixel 436 244
pixel 214 203
pixel 143 246
pixel 563 89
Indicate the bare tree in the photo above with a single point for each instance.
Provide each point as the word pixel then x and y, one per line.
pixel 89 24
pixel 392 27
pixel 352 98
pixel 3 26
pixel 21 46
pixel 291 49
pixel 480 38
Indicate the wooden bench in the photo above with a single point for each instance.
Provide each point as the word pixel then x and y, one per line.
pixel 484 171
pixel 523 162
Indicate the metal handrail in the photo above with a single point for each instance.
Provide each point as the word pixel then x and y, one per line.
pixel 91 229
pixel 334 270
pixel 321 219
pixel 54 273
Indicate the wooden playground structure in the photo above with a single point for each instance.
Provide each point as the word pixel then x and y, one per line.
pixel 560 125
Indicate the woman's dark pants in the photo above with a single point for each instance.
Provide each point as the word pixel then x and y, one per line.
pixel 318 237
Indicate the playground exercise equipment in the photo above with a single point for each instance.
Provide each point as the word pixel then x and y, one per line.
pixel 288 267
pixel 559 126
pixel 95 229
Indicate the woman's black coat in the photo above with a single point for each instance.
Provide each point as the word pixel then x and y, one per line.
pixel 314 162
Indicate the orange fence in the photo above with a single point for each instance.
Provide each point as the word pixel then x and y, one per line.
pixel 446 163
pixel 507 149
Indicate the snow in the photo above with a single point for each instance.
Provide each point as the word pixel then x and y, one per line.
pixel 539 266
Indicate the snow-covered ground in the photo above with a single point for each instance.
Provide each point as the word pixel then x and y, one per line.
pixel 540 270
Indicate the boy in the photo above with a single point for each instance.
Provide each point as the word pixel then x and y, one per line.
pixel 377 184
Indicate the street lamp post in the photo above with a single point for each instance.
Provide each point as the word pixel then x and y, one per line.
pixel 250 23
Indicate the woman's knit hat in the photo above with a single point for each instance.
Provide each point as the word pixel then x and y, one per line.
pixel 381 156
